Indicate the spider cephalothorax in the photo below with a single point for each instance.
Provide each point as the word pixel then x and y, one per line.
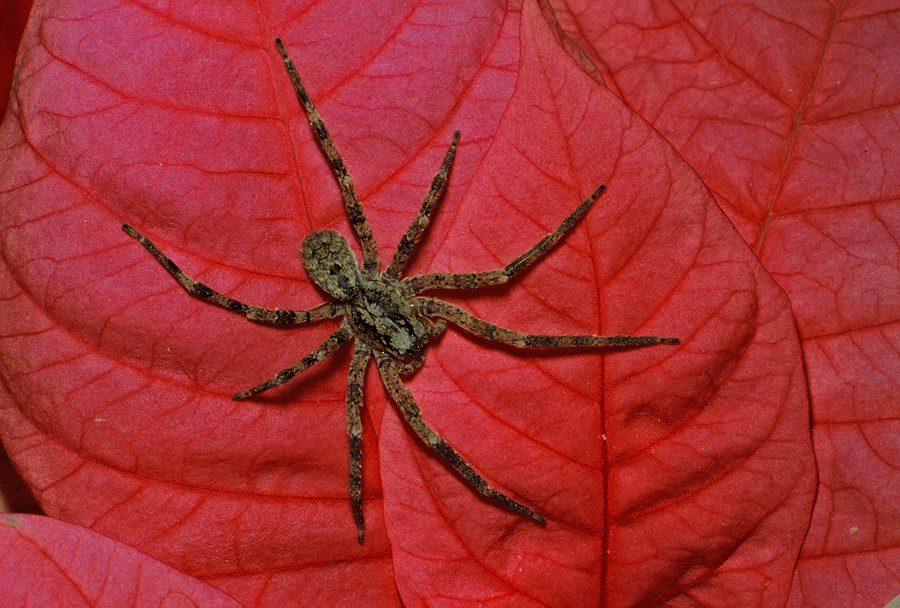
pixel 377 309
pixel 384 313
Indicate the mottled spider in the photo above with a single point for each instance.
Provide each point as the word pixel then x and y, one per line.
pixel 385 314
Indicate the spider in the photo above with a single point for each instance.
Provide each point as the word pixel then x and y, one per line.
pixel 385 314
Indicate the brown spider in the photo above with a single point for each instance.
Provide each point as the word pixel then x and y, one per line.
pixel 385 313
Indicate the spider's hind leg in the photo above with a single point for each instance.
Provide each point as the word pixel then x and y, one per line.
pixel 413 415
pixel 471 280
pixel 418 225
pixel 348 192
pixel 331 343
pixel 275 316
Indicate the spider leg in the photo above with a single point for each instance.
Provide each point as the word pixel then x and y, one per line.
pixel 277 316
pixel 355 386
pixel 410 410
pixel 343 334
pixel 326 143
pixel 418 225
pixel 479 327
pixel 471 280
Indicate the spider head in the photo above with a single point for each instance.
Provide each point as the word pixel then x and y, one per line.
pixel 331 264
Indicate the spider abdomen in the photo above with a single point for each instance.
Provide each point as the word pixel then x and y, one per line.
pixel 382 317
pixel 331 264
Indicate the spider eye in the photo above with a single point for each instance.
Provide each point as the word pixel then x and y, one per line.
pixel 331 264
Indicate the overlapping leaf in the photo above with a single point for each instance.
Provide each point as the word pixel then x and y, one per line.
pixel 789 113
pixel 45 562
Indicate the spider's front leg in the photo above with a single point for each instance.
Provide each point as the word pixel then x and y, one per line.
pixel 355 388
pixel 413 416
pixel 431 307
pixel 277 316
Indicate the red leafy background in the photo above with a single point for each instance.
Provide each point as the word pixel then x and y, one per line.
pixel 50 563
pixel 669 477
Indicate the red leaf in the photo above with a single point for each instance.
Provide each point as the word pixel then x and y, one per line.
pixel 45 562
pixel 789 113
pixel 668 475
